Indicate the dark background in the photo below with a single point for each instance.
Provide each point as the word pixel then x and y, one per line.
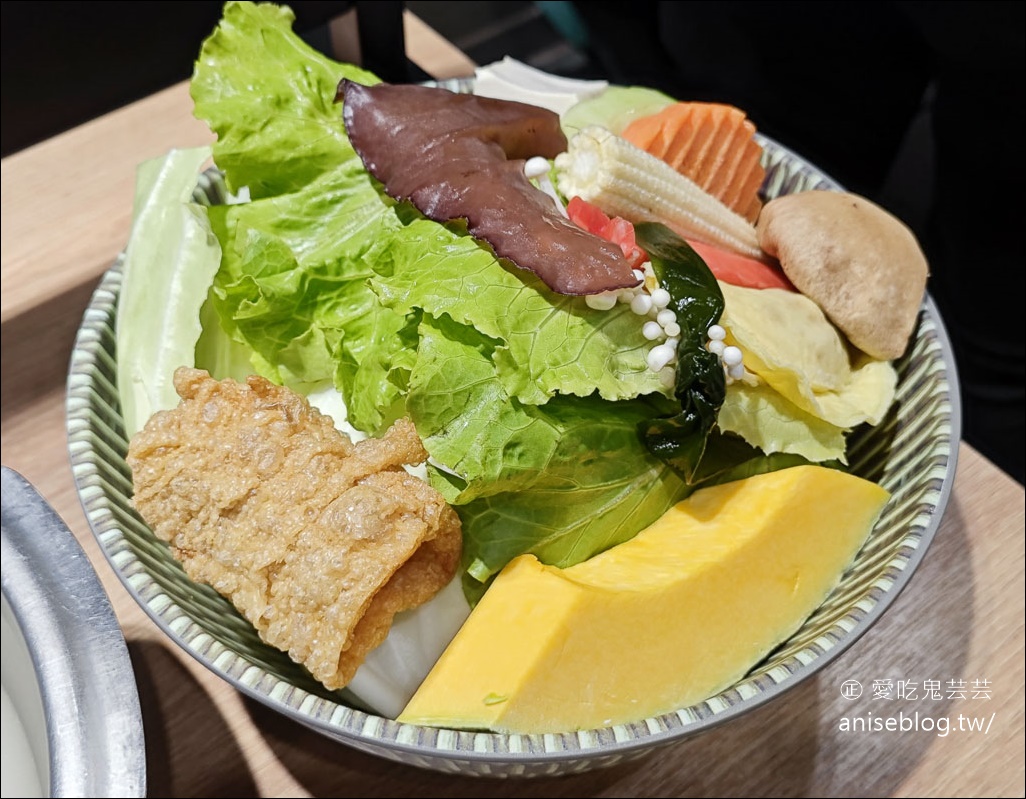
pixel 64 63
pixel 918 106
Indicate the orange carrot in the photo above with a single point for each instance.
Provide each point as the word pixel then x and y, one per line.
pixel 645 130
pixel 712 144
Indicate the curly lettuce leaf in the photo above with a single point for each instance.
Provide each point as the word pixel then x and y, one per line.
pixel 549 343
pixel 494 443
pixel 293 285
pixel 270 98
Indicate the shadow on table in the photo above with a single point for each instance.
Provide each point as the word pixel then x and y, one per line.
pixel 194 733
pixel 735 758
pixel 925 636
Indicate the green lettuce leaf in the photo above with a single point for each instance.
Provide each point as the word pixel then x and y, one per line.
pixel 548 342
pixel 494 443
pixel 270 98
pixel 293 285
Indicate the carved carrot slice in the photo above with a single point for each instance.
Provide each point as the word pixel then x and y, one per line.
pixel 712 144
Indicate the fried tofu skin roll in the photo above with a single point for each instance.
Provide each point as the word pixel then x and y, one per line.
pixel 317 541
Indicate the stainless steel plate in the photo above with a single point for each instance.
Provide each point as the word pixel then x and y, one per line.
pixel 69 688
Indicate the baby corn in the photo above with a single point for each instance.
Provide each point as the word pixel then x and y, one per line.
pixel 624 180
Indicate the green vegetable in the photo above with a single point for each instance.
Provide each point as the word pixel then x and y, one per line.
pixel 680 439
pixel 614 109
pixel 547 343
pixel 270 98
pixel 293 286
pixel 529 403
pixel 170 260
pixel 563 480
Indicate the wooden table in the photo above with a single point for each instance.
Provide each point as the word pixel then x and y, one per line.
pixel 66 213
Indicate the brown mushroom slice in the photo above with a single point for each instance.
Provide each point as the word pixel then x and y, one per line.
pixel 458 156
pixel 855 260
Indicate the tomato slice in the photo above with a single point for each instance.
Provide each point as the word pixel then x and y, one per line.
pixel 617 230
pixel 739 270
pixel 730 267
pixel 585 215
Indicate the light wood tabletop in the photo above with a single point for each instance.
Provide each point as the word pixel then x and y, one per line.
pixel 67 205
